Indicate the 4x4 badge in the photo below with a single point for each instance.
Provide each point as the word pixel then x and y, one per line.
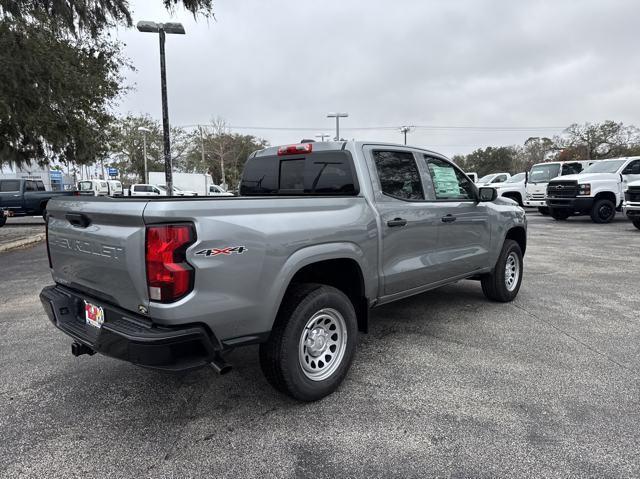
pixel 225 251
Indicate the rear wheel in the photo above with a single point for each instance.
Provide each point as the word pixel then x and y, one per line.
pixel 504 283
pixel 3 219
pixel 312 343
pixel 560 215
pixel 603 211
pixel 543 210
pixel 636 223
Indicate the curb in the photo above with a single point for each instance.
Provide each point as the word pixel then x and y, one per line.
pixel 22 242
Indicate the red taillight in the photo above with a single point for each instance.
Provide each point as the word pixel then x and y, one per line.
pixel 295 149
pixel 169 276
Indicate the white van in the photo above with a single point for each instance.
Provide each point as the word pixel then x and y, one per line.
pixel 145 190
pixel 115 188
pixel 93 188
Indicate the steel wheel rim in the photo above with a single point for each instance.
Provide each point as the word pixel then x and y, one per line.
pixel 511 271
pixel 322 345
pixel 605 212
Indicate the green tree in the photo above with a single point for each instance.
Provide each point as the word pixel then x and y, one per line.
pixel 126 146
pixel 593 141
pixel 60 76
pixel 490 160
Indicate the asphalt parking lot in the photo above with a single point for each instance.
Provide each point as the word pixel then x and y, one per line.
pixel 446 384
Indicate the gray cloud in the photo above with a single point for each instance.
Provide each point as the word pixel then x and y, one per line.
pixel 487 63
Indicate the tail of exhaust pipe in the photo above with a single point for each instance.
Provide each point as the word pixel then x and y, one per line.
pixel 220 366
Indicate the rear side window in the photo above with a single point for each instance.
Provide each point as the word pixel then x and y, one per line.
pixel 29 186
pixel 9 185
pixel 318 173
pixel 398 174
pixel 40 186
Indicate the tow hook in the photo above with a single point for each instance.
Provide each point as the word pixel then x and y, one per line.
pixel 219 365
pixel 78 349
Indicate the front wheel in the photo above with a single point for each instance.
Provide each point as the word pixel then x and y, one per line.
pixel 504 282
pixel 636 223
pixel 543 210
pixel 312 343
pixel 603 211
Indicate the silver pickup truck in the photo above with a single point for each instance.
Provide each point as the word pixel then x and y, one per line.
pixel 320 234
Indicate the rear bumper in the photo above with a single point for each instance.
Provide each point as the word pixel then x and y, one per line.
pixel 574 204
pixel 128 336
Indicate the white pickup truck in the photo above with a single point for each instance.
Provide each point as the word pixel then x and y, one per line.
pixel 597 191
pixel 632 202
pixel 538 179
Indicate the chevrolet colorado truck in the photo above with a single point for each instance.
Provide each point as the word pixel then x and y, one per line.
pixel 20 197
pixel 320 233
pixel 631 204
pixel 598 191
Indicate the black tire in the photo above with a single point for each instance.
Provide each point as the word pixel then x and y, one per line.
pixel 280 355
pixel 635 222
pixel 603 211
pixel 3 219
pixel 494 285
pixel 560 215
pixel 543 210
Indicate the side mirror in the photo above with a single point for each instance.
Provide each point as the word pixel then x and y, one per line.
pixel 486 193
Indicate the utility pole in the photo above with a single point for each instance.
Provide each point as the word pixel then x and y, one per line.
pixel 144 151
pixel 201 144
pixel 337 116
pixel 405 130
pixel 323 136
pixel 162 29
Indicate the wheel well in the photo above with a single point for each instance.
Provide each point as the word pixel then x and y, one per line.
pixel 512 194
pixel 519 235
pixel 606 195
pixel 343 274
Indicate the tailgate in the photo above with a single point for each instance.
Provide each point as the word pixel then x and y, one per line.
pixel 97 246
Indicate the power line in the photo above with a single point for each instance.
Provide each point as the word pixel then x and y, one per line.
pixel 382 128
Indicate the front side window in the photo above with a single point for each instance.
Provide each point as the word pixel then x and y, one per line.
pixel 398 174
pixel 500 179
pixel 632 168
pixel 29 186
pixel 449 183
pixel 40 186
pixel 571 168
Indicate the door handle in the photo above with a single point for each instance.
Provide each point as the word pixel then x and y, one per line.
pixel 396 222
pixel 448 218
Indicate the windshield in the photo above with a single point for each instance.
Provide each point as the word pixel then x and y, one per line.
pixel 485 179
pixel 544 172
pixel 605 166
pixel 516 178
pixel 85 186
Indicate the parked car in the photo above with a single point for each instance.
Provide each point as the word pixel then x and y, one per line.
pixel 598 191
pixel 215 190
pixel 93 188
pixel 513 188
pixel 322 232
pixel 142 189
pixel 177 191
pixel 538 179
pixel 631 204
pixel 198 183
pixel 493 179
pixel 115 188
pixel 24 197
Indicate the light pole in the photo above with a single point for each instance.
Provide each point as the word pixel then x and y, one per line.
pixel 323 136
pixel 161 29
pixel 405 130
pixel 144 151
pixel 337 116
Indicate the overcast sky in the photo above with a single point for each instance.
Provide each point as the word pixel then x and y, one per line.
pixel 470 63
